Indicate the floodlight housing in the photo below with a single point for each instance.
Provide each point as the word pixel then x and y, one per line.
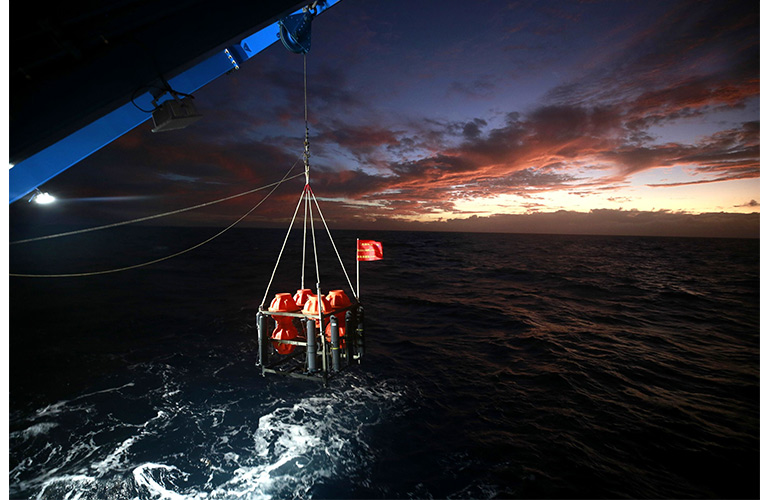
pixel 174 114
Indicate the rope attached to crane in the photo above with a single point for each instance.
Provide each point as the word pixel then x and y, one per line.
pixel 155 261
pixel 310 201
pixel 157 216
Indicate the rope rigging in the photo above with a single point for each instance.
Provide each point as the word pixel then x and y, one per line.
pixel 156 216
pixel 145 264
pixel 310 200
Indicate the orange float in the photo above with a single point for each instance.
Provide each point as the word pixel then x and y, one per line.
pixel 312 308
pixel 284 328
pixel 302 296
pixel 339 300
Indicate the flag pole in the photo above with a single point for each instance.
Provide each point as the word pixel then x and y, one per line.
pixel 357 269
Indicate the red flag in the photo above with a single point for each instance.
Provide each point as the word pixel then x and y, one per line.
pixel 369 250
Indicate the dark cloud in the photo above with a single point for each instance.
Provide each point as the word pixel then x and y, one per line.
pixel 472 129
pixel 726 155
pixel 749 204
pixel 753 204
pixel 697 59
pixel 360 141
pixel 352 184
pixel 271 93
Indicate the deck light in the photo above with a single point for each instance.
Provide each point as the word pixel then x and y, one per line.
pixel 42 198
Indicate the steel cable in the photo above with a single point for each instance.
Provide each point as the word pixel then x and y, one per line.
pixel 144 264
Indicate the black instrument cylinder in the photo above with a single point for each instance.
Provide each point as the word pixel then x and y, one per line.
pixel 263 328
pixel 311 345
pixel 349 337
pixel 335 340
pixel 360 331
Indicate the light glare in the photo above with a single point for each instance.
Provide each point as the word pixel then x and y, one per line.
pixel 44 198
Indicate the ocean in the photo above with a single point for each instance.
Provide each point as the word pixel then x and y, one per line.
pixel 497 366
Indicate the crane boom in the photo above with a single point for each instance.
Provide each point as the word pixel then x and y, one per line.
pixel 109 64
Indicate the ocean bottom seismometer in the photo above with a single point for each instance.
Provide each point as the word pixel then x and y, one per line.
pixel 310 336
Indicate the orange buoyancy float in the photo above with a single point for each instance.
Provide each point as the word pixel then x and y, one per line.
pixel 302 296
pixel 312 308
pixel 284 328
pixel 338 300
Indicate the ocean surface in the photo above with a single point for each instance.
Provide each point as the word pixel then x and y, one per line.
pixel 497 366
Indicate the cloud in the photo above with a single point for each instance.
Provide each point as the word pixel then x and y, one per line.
pixel 548 148
pixel 750 204
pixel 706 51
pixel 472 129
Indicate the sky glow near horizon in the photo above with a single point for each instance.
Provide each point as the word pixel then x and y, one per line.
pixel 441 110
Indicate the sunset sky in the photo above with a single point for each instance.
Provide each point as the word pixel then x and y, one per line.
pixel 600 117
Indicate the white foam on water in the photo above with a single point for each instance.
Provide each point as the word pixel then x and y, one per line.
pixel 295 447
pixel 155 486
pixel 117 458
pixel 59 484
pixel 301 445
pixel 33 430
pixel 105 391
pixel 56 465
pixel 52 409
pixel 114 459
pixel 283 453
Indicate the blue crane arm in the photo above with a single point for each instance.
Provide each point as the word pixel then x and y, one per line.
pixel 35 169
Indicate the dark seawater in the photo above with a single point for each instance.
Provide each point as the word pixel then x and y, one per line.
pixel 498 366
